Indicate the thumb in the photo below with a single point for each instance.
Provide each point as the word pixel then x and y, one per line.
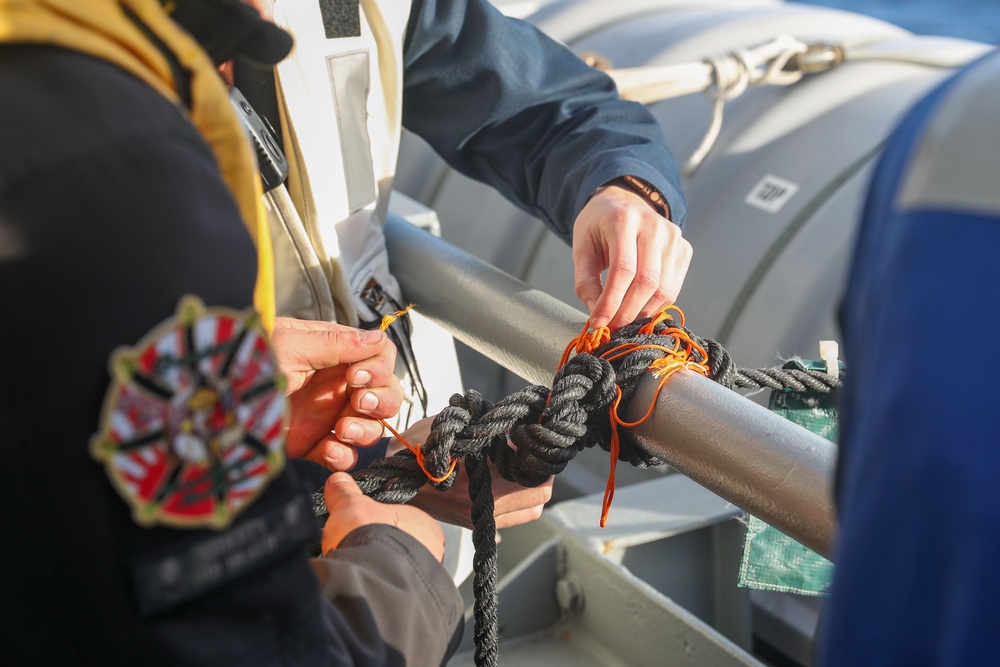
pixel 340 487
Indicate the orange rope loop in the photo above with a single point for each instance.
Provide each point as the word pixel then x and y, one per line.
pixel 662 316
pixel 420 455
pixel 587 342
pixel 683 354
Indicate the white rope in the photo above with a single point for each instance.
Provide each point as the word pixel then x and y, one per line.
pixel 780 62
pixel 652 84
pixel 943 52
pixel 721 78
pixel 732 75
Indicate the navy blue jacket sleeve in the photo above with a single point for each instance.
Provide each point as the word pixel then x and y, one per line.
pixel 504 104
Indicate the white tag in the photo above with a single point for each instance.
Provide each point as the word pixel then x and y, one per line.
pixel 771 193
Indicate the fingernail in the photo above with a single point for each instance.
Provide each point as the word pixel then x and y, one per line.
pixel 351 433
pixel 368 402
pixel 334 458
pixel 362 378
pixel 369 337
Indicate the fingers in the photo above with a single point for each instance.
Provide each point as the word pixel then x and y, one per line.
pixel 522 505
pixel 644 253
pixel 336 449
pixel 329 404
pixel 517 517
pixel 589 261
pixel 357 431
pixel 340 489
pixel 513 504
pixel 334 455
pixel 378 400
pixel 327 431
pixel 662 260
pixel 341 383
pixel 323 344
pixel 674 267
pixel 629 284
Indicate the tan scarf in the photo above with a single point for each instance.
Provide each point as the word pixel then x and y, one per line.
pixel 101 28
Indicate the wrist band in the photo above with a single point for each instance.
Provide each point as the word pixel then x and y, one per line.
pixel 645 190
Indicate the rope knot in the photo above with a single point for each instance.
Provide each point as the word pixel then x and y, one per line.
pixel 534 433
pixel 588 341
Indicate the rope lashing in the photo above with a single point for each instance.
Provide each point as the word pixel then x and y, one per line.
pixel 685 353
pixel 781 61
pixel 743 68
pixel 418 452
pixel 535 432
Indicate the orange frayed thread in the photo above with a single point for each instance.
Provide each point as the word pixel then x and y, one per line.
pixel 678 357
pixel 387 320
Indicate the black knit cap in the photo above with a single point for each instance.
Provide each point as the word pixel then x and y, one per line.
pixel 230 28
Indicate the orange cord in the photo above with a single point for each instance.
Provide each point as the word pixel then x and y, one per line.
pixel 420 456
pixel 383 325
pixel 678 357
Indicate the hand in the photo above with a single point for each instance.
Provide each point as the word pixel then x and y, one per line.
pixel 350 508
pixel 645 254
pixel 339 379
pixel 513 504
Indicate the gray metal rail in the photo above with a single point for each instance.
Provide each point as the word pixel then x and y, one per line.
pixel 760 462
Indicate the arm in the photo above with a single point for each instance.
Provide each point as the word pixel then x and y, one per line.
pixel 111 209
pixel 387 601
pixel 536 122
pixel 386 598
pixel 548 132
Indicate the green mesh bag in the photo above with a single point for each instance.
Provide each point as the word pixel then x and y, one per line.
pixel 773 561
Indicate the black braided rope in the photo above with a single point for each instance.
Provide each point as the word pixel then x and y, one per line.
pixel 547 427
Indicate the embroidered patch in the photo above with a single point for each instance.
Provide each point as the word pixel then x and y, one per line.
pixel 192 429
pixel 341 18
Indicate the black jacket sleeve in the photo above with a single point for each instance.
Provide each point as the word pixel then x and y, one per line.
pixel 111 209
pixel 388 601
pixel 506 105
